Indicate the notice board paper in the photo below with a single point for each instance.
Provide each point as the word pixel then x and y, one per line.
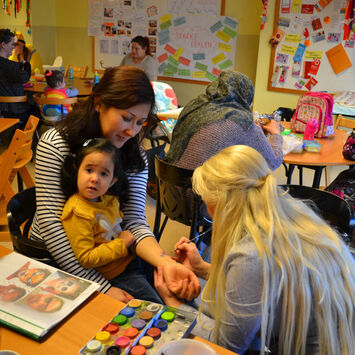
pixel 338 58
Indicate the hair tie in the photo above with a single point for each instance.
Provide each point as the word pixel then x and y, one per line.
pixel 87 142
pixel 49 73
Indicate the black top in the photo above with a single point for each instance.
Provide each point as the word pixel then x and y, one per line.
pixel 12 77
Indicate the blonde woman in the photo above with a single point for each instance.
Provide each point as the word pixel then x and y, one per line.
pixel 278 272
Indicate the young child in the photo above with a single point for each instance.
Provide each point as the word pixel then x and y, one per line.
pixel 56 90
pixel 91 216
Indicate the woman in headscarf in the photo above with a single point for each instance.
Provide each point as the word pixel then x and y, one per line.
pixel 220 118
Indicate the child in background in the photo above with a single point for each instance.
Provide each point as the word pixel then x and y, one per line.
pixel 91 217
pixel 56 90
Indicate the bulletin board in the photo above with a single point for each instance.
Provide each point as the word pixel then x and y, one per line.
pixel 311 55
pixel 190 39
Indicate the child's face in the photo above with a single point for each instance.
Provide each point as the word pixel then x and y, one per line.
pixel 95 175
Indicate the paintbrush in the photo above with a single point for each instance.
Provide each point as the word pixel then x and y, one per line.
pixel 197 237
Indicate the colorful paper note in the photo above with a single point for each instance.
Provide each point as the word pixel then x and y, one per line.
pixel 288 49
pixel 223 36
pixel 313 55
pixel 225 47
pixel 218 58
pixel 338 58
pixel 198 74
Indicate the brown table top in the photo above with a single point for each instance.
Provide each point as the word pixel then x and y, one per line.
pixel 74 332
pixel 81 84
pixel 6 123
pixel 330 153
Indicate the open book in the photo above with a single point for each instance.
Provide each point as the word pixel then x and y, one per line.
pixel 34 297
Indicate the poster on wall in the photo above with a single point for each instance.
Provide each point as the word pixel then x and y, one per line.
pixel 309 48
pixel 116 22
pixel 195 46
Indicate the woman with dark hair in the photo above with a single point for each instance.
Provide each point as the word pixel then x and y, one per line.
pixel 12 77
pixel 119 107
pixel 141 57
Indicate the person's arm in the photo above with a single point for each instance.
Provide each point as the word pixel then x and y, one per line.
pixel 72 92
pixel 151 68
pixel 147 246
pixel 270 149
pixel 50 200
pixel 80 232
pixel 19 72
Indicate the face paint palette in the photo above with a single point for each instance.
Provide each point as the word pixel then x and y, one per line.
pixel 140 328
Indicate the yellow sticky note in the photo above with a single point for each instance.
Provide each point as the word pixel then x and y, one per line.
pixel 198 74
pixel 166 18
pixel 218 58
pixel 288 49
pixel 224 37
pixel 293 38
pixel 313 55
pixel 296 6
pixel 224 47
pixel 178 53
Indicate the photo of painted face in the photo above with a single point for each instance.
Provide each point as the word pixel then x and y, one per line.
pixel 44 302
pixel 11 293
pixel 67 287
pixel 30 277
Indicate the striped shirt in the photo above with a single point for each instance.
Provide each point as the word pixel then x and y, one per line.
pixel 50 154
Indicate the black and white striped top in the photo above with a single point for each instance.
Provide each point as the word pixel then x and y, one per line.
pixel 50 154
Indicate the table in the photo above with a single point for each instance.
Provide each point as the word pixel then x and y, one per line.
pixel 6 123
pixel 74 332
pixel 331 154
pixel 81 84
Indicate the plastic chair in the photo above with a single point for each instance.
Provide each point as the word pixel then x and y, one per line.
pixel 42 100
pixel 335 210
pixel 58 62
pixel 78 72
pixel 20 211
pixel 13 161
pixel 176 199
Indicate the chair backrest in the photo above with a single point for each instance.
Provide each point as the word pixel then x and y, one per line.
pixel 20 211
pixel 175 197
pixel 344 122
pixel 78 72
pixel 58 61
pixel 13 98
pixel 335 210
pixel 42 100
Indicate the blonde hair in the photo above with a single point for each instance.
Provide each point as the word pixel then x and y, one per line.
pixel 305 265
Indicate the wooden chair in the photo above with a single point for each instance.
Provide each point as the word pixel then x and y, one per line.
pixel 42 100
pixel 176 199
pixel 12 161
pixel 79 72
pixel 12 99
pixel 344 122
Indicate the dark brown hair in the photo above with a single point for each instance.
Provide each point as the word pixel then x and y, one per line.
pixel 6 35
pixel 144 43
pixel 53 78
pixel 121 88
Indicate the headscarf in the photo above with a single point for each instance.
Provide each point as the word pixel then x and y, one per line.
pixel 227 97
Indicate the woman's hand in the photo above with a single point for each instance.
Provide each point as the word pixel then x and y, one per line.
pixel 127 237
pixel 273 127
pixel 188 255
pixel 119 294
pixel 160 285
pixel 181 281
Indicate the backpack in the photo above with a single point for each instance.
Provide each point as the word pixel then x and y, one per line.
pixel 318 105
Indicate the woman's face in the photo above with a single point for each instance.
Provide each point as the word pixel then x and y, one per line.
pixel 18 50
pixel 138 52
pixel 118 126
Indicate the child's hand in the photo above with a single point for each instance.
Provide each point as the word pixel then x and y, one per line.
pixel 127 237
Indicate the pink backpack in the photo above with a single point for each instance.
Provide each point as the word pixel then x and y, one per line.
pixel 318 105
